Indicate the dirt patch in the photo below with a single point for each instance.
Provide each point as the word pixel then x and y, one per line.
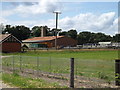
pixel 4 56
pixel 5 85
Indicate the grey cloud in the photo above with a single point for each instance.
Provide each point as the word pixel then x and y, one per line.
pixel 33 8
pixel 23 3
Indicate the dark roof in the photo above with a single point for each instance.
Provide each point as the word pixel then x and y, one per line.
pixel 41 39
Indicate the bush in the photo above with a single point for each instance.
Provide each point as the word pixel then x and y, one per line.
pixel 102 76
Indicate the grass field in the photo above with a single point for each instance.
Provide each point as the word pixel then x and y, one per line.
pixel 25 82
pixel 83 54
pixel 89 63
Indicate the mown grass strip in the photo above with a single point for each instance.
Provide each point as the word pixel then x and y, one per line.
pixel 95 54
pixel 23 82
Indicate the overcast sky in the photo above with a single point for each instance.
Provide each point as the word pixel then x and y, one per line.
pixel 82 16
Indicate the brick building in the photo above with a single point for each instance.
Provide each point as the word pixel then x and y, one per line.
pixel 9 43
pixel 49 41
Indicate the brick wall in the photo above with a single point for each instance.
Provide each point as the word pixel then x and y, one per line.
pixel 64 41
pixel 11 47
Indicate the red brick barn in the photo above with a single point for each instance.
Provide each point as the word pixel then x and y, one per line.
pixel 9 43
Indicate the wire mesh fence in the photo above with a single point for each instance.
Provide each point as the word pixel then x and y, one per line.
pixel 86 71
pixel 98 71
pixel 37 65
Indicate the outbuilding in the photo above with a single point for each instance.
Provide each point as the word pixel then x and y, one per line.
pixel 105 44
pixel 49 42
pixel 9 43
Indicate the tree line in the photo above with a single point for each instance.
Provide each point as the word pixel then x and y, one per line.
pixel 22 32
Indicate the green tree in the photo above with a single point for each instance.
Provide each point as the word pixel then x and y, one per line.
pixel 53 32
pixel 7 29
pixel 88 37
pixel 101 37
pixel 20 32
pixel 48 32
pixel 84 37
pixel 116 38
pixel 36 31
pixel 72 33
pixel 64 33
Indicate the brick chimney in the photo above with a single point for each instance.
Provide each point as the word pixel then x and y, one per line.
pixel 43 32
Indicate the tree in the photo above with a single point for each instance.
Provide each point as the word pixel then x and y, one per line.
pixel 88 37
pixel 53 31
pixel 47 30
pixel 20 32
pixel 72 33
pixel 84 37
pixel 7 29
pixel 64 33
pixel 36 31
pixel 116 38
pixel 101 37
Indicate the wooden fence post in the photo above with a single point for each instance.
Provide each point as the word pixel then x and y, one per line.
pixel 37 67
pixel 20 64
pixel 13 64
pixel 50 65
pixel 72 73
pixel 117 72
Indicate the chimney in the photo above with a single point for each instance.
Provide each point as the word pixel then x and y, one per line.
pixel 43 32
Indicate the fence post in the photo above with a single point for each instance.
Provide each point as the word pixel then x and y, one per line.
pixel 76 68
pixel 50 65
pixel 20 64
pixel 13 64
pixel 72 73
pixel 117 72
pixel 38 67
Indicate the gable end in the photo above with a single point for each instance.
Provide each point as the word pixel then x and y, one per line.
pixel 11 38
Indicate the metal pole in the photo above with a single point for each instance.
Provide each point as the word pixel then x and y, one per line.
pixel 117 72
pixel 72 73
pixel 56 12
pixel 56 30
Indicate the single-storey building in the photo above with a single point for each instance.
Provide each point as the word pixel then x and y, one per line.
pixel 9 43
pixel 49 42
